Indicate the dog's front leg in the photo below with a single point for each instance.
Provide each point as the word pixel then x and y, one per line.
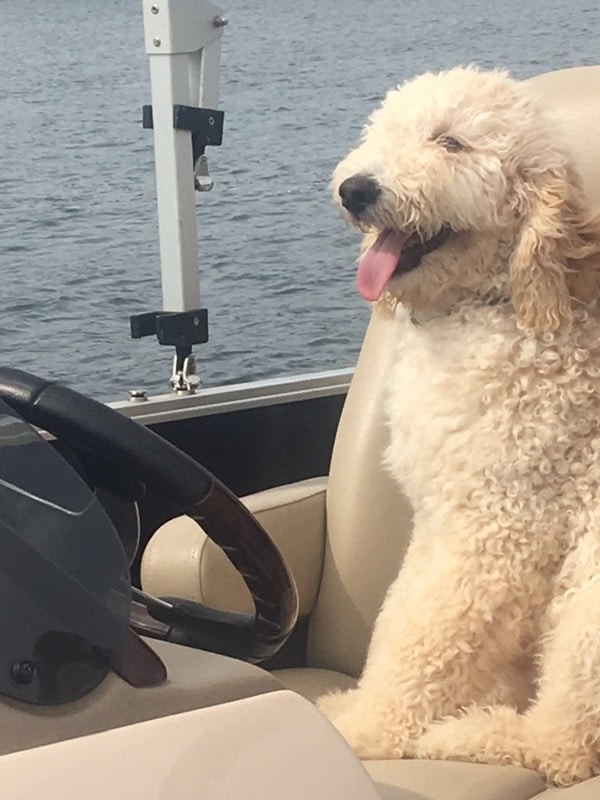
pixel 557 735
pixel 444 636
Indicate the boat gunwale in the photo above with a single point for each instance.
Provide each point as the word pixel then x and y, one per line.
pixel 236 397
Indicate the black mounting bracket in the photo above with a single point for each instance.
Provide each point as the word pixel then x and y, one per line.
pixel 205 124
pixel 179 329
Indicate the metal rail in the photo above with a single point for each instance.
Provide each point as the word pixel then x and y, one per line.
pixel 223 399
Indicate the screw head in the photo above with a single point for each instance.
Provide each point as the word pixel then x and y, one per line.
pixel 154 9
pixel 219 21
pixel 23 672
pixel 156 41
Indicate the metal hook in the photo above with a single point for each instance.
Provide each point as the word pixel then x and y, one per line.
pixel 202 180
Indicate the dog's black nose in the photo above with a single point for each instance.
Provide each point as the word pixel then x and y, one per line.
pixel 358 192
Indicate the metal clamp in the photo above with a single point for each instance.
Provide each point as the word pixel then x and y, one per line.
pixel 184 379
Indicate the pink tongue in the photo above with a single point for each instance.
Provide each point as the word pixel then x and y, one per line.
pixel 377 265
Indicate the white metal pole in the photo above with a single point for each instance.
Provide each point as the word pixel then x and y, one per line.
pixel 183 42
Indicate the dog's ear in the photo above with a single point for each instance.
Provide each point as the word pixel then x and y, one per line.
pixel 555 259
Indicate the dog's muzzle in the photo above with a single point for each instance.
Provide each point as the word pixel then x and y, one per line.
pixel 358 192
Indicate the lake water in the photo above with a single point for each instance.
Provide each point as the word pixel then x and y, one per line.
pixel 78 237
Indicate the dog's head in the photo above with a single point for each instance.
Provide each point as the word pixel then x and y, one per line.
pixel 462 188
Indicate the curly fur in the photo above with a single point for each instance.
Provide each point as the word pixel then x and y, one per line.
pixel 487 647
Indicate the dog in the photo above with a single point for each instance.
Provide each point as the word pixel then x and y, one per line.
pixel 479 239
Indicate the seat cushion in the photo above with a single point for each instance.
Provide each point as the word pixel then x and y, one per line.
pixel 181 561
pixel 451 780
pixel 313 683
pixel 588 790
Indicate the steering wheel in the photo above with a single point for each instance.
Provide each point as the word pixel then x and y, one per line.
pixel 89 428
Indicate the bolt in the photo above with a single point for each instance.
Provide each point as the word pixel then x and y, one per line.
pixel 138 394
pixel 23 672
pixel 211 120
pixel 220 22
pixel 154 9
pixel 156 41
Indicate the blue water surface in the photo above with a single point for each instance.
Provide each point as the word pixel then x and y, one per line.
pixel 78 231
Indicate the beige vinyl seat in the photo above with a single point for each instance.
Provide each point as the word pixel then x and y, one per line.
pixel 344 536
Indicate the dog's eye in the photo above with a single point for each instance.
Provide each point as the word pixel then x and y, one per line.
pixel 450 144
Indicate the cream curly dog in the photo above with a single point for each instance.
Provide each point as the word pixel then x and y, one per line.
pixel 487 647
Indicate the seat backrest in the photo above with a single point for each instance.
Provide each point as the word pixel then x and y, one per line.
pixel 368 518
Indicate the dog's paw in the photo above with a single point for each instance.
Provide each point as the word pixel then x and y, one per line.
pixel 336 703
pixel 369 734
pixel 485 735
pixel 369 741
pixel 565 769
pixel 499 735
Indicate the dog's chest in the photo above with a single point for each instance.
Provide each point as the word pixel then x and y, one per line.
pixel 474 394
pixel 444 372
pixel 435 389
